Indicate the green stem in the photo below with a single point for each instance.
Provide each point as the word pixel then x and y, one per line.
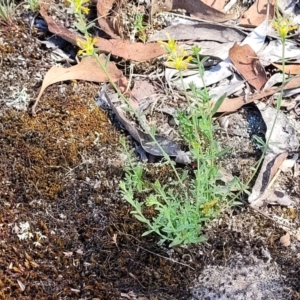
pixel 278 105
pixel 165 155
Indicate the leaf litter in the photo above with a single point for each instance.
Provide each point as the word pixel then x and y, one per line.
pixel 250 82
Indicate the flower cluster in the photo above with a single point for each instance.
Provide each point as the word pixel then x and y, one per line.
pixel 177 58
pixel 87 46
pixel 79 6
pixel 284 25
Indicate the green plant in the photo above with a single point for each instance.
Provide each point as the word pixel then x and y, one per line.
pixel 7 11
pixel 184 207
pixel 193 199
pixel 32 5
pixel 139 27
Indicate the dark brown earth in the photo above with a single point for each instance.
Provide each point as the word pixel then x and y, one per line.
pixel 60 172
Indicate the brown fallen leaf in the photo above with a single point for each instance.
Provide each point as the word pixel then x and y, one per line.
pixel 55 27
pixel 270 166
pixel 231 105
pixel 219 5
pixel 289 69
pixel 246 62
pixel 293 83
pixel 257 13
pixel 285 240
pixel 234 104
pixel 196 8
pixel 88 69
pixel 103 8
pixel 128 50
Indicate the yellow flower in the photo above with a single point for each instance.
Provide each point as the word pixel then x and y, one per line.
pixel 170 46
pixel 179 60
pixel 78 6
pixel 284 25
pixel 87 47
pixel 209 205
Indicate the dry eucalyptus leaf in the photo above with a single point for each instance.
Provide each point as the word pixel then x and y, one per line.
pixel 248 65
pixel 284 137
pixel 282 141
pixel 287 6
pixel 103 8
pixel 256 38
pixel 286 240
pixel 213 75
pixel 293 69
pixel 203 31
pixel 257 13
pixel 88 69
pixel 231 105
pixel 271 164
pixel 273 80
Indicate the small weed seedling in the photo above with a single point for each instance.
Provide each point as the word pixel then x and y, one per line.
pixel 139 28
pixel 7 11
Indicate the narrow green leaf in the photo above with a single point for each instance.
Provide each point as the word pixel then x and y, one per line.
pixel 142 219
pixel 147 232
pixel 218 104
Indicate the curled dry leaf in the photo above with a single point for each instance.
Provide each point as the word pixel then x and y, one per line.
pixel 145 140
pixel 128 50
pixel 88 69
pixel 286 240
pixel 103 8
pixel 257 13
pixel 270 166
pixel 232 105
